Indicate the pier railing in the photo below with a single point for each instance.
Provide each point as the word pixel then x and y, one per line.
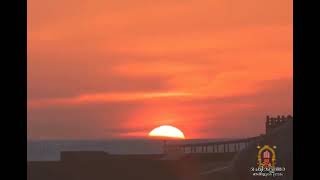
pixel 211 147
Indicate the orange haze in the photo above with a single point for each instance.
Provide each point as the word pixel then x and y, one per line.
pixel 118 68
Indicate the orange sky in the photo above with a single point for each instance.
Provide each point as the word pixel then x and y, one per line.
pixel 119 68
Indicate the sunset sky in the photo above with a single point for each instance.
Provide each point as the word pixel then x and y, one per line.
pixel 101 69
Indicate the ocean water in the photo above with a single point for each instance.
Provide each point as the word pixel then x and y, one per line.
pixel 49 150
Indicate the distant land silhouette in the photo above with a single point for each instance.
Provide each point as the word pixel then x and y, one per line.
pixel 49 150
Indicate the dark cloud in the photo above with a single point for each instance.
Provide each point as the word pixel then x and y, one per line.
pixel 232 116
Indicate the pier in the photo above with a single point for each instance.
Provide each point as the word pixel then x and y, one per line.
pixel 227 146
pixel 211 147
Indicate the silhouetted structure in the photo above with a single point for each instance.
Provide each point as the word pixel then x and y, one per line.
pixel 212 147
pixel 282 139
pixel 83 155
pixel 227 146
pixel 274 122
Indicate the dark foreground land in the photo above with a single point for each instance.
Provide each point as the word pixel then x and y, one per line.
pixel 133 167
pixel 196 166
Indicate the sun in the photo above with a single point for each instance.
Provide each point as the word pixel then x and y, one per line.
pixel 167 131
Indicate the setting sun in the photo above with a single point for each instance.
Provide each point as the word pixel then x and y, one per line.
pixel 167 131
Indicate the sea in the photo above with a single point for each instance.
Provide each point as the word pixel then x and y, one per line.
pixel 49 150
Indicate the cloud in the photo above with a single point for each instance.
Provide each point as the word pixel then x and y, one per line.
pixel 197 116
pixel 102 98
